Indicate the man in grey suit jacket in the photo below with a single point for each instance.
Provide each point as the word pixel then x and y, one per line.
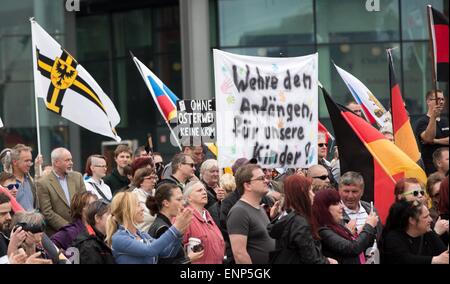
pixel 56 190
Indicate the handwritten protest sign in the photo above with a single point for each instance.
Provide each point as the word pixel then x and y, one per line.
pixel 266 109
pixel 196 122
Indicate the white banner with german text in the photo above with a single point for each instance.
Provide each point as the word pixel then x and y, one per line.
pixel 266 108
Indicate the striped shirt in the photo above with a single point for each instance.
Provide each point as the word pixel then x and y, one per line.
pixel 360 216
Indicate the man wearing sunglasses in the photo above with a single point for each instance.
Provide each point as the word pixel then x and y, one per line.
pixel 432 129
pixel 183 170
pixel 21 159
pixel 322 156
pixel 9 182
pixel 319 175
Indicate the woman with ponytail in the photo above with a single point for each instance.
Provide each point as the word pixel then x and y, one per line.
pixel 131 246
pixel 166 204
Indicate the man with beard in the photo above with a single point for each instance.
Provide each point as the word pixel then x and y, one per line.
pixel 55 190
pixel 5 222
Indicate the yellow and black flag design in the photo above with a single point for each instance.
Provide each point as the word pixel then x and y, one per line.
pixel 68 89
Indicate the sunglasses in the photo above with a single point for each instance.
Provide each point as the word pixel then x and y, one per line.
pixel 190 164
pixel 324 177
pixel 414 192
pixel 323 144
pixel 11 186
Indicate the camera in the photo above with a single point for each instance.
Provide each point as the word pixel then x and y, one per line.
pixel 32 228
pixel 197 248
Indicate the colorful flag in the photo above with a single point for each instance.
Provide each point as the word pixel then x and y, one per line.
pixel 403 134
pixel 68 89
pixel 363 149
pixel 372 108
pixel 439 36
pixel 164 98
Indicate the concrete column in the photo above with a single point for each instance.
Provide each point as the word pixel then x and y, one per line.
pixel 195 49
pixel 74 129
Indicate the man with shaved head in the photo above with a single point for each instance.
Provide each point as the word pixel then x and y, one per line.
pixel 319 176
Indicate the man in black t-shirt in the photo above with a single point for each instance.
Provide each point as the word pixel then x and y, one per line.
pixel 432 129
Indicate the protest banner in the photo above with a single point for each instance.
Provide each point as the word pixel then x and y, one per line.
pixel 196 122
pixel 267 108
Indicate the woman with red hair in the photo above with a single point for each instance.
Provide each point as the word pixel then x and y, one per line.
pixel 337 241
pixel 297 238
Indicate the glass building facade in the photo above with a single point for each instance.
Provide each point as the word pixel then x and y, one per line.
pixel 102 33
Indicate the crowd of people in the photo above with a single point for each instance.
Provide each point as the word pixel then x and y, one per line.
pixel 189 211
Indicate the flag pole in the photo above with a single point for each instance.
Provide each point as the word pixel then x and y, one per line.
pixel 433 55
pixel 38 132
pixel 165 120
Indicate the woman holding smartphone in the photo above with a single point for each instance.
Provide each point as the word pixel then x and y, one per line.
pixel 166 204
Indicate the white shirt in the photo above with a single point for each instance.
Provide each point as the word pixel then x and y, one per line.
pixel 360 216
pixel 102 186
pixel 148 218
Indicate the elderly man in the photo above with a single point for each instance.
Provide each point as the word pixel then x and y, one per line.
pixel 55 190
pixel 351 189
pixel 432 129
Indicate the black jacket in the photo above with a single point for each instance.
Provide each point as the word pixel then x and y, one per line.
pixel 115 181
pixel 213 204
pixel 400 248
pixel 343 250
pixel 294 241
pixel 171 180
pixel 4 242
pixel 92 248
pixel 159 226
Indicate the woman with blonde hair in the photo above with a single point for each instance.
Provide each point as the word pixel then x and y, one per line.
pixel 132 246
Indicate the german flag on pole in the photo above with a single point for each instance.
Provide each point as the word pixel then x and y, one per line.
pixel 403 134
pixel 439 34
pixel 363 149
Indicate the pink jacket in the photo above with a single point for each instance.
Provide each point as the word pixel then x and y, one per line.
pixel 209 234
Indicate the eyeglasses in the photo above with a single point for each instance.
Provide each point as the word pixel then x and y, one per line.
pixel 414 192
pixel 11 186
pixel 190 164
pixel 261 178
pixel 323 177
pixel 323 144
pixel 100 166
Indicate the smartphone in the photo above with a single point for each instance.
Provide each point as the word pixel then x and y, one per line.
pixel 371 207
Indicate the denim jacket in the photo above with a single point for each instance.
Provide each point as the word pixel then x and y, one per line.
pixel 127 250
